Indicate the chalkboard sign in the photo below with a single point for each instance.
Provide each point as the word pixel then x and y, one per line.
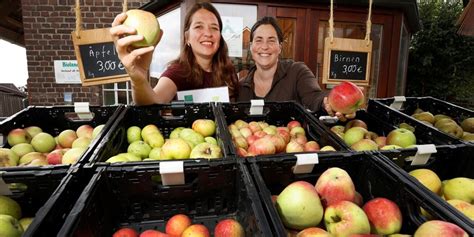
pixel 100 60
pixel 97 58
pixel 348 65
pixel 347 60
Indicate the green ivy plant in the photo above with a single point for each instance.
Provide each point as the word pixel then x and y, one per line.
pixel 441 62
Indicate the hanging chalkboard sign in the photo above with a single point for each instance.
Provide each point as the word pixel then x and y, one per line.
pixel 347 60
pixel 97 59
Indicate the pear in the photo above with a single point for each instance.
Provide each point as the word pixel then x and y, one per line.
pixel 425 116
pixel 440 116
pixel 460 188
pixel 468 125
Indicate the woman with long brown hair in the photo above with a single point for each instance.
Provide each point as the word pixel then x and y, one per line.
pixel 203 61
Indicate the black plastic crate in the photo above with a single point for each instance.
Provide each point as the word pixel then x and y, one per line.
pixel 55 119
pixel 382 122
pixel 372 178
pixel 132 196
pixel 431 104
pixel 165 116
pixel 448 162
pixel 33 189
pixel 278 114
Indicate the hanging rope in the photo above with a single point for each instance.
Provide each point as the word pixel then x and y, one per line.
pixel 77 9
pixel 369 23
pixel 331 22
pixel 124 6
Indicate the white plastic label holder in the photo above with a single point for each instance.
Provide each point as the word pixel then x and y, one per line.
pixel 256 107
pixel 4 189
pixel 305 163
pixel 82 110
pixel 398 102
pixel 172 172
pixel 423 154
pixel 328 119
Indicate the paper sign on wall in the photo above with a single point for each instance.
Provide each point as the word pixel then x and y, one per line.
pixel 66 72
pixel 216 94
pixel 232 33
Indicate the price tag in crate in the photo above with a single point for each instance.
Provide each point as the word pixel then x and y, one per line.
pixel 256 107
pixel 398 102
pixel 305 163
pixel 172 172
pixel 423 154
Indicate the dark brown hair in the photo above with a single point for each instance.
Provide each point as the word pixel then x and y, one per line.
pixel 267 20
pixel 223 71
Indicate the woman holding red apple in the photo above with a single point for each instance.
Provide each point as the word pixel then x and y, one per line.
pixel 280 80
pixel 203 61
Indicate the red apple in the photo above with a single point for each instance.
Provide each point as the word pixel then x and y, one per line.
pixel 245 132
pixel 177 224
pixel 437 228
pixel 313 232
pixel 292 124
pixel 299 138
pixel 384 216
pixel 241 152
pixel 311 146
pixel 346 98
pixel 355 123
pixel 55 157
pixel 229 228
pixel 278 141
pixel 254 127
pixel 262 146
pixel 85 131
pixel 153 233
pixel 251 139
pixel 294 146
pixel 285 134
pixel 125 232
pixel 335 185
pixel 240 142
pixel 196 230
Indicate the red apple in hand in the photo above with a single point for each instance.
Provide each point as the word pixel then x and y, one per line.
pixel 346 98
pixel 125 232
pixel 384 216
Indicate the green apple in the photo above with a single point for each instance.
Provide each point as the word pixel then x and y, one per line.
pixel 22 149
pixel 10 227
pixel 33 131
pixel 460 188
pixel 345 218
pixel 191 136
pixel 25 222
pixel 211 140
pixel 72 155
pixel 401 137
pixel 354 134
pixel 205 127
pixel 299 206
pixel 365 145
pixel 130 156
pixel 117 159
pixel 155 154
pixel 206 150
pixel 155 139
pixel 8 158
pixel 27 159
pixel 134 134
pixel 175 132
pixel 427 178
pixel 139 148
pixel 175 148
pixel 10 207
pixel 146 25
pixel 43 142
pixel 17 136
pixel 150 128
pixel 327 148
pixel 97 130
pixel 82 142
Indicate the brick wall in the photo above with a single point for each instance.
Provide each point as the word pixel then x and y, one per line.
pixel 47 27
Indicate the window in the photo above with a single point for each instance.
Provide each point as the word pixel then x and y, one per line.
pixel 402 61
pixel 354 31
pixel 169 46
pixel 117 93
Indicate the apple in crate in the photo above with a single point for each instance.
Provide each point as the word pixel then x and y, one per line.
pixel 176 225
pixel 85 131
pixel 8 158
pixel 345 218
pixel 346 98
pixel 205 127
pixel 9 226
pixel 9 206
pixel 437 228
pixel 196 230
pixel 17 136
pixel 460 188
pixel 335 185
pixel 313 232
pixel 384 216
pixel 33 131
pixel 125 232
pixel 43 142
pixel 299 206
pixel 206 150
pixel 401 137
pixel 153 233
pixel 146 25
pixel 427 178
pixel 229 228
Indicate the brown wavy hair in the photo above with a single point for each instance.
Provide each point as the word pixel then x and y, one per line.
pixel 223 71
